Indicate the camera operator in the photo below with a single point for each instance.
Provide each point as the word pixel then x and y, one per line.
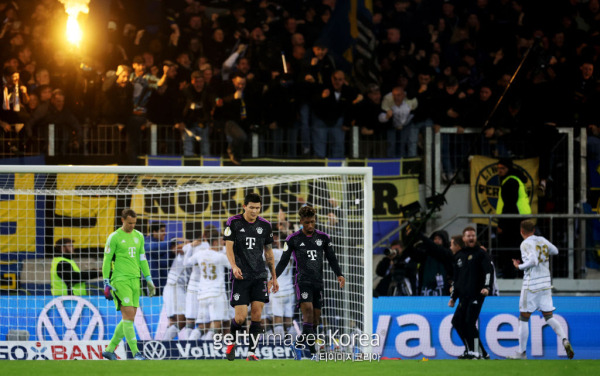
pixel 399 272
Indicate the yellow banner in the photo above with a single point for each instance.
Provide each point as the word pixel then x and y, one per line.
pixel 18 218
pixel 485 183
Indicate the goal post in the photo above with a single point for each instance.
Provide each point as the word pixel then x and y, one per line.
pixel 40 205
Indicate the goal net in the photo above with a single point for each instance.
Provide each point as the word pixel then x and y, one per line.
pixel 46 208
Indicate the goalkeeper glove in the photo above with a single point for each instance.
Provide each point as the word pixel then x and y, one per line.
pixel 107 289
pixel 151 287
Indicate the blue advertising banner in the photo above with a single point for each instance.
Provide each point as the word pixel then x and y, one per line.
pixel 406 327
pixel 417 327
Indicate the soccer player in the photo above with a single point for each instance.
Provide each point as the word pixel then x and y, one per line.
pixel 191 330
pixel 210 294
pixel 536 293
pixel 246 236
pixel 174 292
pixel 124 257
pixel 473 281
pixel 308 246
pixel 283 302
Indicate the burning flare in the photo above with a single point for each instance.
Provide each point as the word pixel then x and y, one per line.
pixel 73 8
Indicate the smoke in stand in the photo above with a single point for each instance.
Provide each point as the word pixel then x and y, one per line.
pixel 73 8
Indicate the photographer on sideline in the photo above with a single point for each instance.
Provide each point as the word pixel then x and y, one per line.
pixel 399 272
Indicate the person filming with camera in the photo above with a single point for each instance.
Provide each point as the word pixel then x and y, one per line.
pixel 399 272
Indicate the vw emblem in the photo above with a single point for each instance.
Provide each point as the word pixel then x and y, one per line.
pixel 77 316
pixel 155 350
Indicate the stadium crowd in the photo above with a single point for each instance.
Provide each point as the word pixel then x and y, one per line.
pixel 212 72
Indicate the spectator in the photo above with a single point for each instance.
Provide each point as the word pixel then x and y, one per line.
pixel 331 106
pixel 512 199
pixel 65 276
pixel 241 114
pixel 159 254
pixel 402 133
pixel 197 116
pixel 593 143
pixel 66 124
pixel 371 129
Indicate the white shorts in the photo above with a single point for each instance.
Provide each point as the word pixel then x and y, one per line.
pixel 213 308
pixel 267 311
pixel 174 300
pixel 191 305
pixel 539 300
pixel 283 305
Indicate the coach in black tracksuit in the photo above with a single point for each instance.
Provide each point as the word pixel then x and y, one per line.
pixel 473 281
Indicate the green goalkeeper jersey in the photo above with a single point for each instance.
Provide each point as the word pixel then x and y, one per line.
pixel 124 256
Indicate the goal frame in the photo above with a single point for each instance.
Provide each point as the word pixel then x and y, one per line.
pixel 366 172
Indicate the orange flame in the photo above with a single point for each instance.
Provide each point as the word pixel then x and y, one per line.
pixel 74 33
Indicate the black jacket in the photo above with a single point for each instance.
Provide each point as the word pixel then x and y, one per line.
pixel 473 271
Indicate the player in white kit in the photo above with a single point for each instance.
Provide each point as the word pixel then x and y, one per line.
pixel 174 293
pixel 211 296
pixel 284 301
pixel 536 293
pixel 191 331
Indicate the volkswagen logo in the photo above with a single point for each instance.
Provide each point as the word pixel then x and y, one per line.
pixel 155 350
pixel 70 315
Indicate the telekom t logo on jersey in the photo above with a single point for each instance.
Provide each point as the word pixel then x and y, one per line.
pixel 312 253
pixel 250 242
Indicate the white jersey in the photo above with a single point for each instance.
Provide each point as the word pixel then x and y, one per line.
pixel 178 275
pixel 535 252
pixel 285 280
pixel 189 251
pixel 212 266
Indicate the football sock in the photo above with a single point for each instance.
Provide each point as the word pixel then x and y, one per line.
pixel 279 330
pixel 309 336
pixel 234 328
pixel 557 327
pixel 116 338
pixel 255 331
pixel 523 335
pixel 194 334
pixel 171 332
pixel 129 331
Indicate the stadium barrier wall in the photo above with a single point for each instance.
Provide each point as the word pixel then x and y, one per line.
pixel 420 327
pixel 407 327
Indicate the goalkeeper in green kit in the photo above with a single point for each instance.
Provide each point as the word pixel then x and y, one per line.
pixel 124 257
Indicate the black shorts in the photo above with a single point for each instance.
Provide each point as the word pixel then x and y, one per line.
pixel 310 292
pixel 244 292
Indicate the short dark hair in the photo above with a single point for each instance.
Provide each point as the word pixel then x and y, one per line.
pixel 469 228
pixel 458 240
pixel 307 212
pixel 528 226
pixel 397 242
pixel 252 197
pixel 156 226
pixel 128 213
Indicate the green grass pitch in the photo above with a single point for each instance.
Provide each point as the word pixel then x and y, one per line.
pixel 293 368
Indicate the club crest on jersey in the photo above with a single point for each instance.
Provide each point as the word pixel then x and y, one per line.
pixel 135 240
pixel 304 295
pixel 319 242
pixel 459 263
pixel 126 300
pixel 236 297
pixel 227 231
pixel 259 230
